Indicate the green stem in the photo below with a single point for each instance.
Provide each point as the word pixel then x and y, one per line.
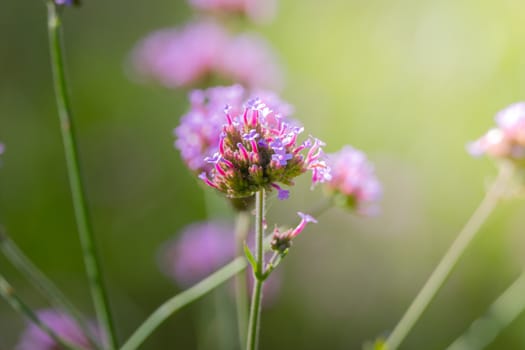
pixel 501 313
pixel 449 260
pixel 255 311
pixel 91 260
pixel 8 293
pixel 241 293
pixel 180 300
pixel 43 284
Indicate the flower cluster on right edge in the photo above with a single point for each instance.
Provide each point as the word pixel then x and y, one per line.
pixel 506 141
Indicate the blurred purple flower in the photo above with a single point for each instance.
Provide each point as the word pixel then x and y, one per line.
pixel 64 2
pixel 353 181
pixel 507 140
pixel 198 135
pixel 199 250
pixel 64 326
pixel 180 57
pixel 257 10
pixel 188 56
pixel 250 60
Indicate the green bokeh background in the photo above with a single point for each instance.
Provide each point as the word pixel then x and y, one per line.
pixel 409 82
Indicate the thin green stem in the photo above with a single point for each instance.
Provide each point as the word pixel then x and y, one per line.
pixel 87 241
pixel 180 300
pixel 501 313
pixel 8 293
pixel 43 284
pixel 449 260
pixel 255 311
pixel 242 226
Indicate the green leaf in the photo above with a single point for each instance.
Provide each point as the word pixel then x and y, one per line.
pixel 250 257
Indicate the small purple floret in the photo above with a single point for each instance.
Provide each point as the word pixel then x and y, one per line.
pixel 305 219
pixel 252 135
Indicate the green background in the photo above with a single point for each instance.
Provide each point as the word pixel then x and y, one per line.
pixel 409 82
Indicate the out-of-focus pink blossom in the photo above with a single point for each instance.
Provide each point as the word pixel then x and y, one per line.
pixel 250 60
pixel 354 182
pixel 203 51
pixel 180 57
pixel 257 10
pixel 199 250
pixel 507 140
pixel 62 325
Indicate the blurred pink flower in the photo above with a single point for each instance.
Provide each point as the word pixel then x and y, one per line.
pixel 199 250
pixel 507 140
pixel 180 57
pixel 202 50
pixel 64 326
pixel 354 182
pixel 257 10
pixel 250 60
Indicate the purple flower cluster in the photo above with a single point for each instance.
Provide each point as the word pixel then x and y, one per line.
pixel 258 149
pixel 199 250
pixel 64 326
pixel 257 10
pixel 354 183
pixel 198 134
pixel 507 139
pixel 205 50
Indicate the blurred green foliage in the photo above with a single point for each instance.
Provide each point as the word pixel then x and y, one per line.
pixel 410 82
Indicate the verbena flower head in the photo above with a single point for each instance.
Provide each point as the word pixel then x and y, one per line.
pixel 203 51
pixel 257 10
pixel 259 149
pixel 282 240
pixel 507 140
pixel 197 136
pixel 353 183
pixel 198 251
pixel 64 326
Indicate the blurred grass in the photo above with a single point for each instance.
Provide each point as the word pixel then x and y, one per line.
pixel 409 82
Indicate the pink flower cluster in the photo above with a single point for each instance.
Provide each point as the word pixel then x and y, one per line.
pixel 204 50
pixel 256 10
pixel 61 324
pixel 507 139
pixel 198 134
pixel 354 183
pixel 258 149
